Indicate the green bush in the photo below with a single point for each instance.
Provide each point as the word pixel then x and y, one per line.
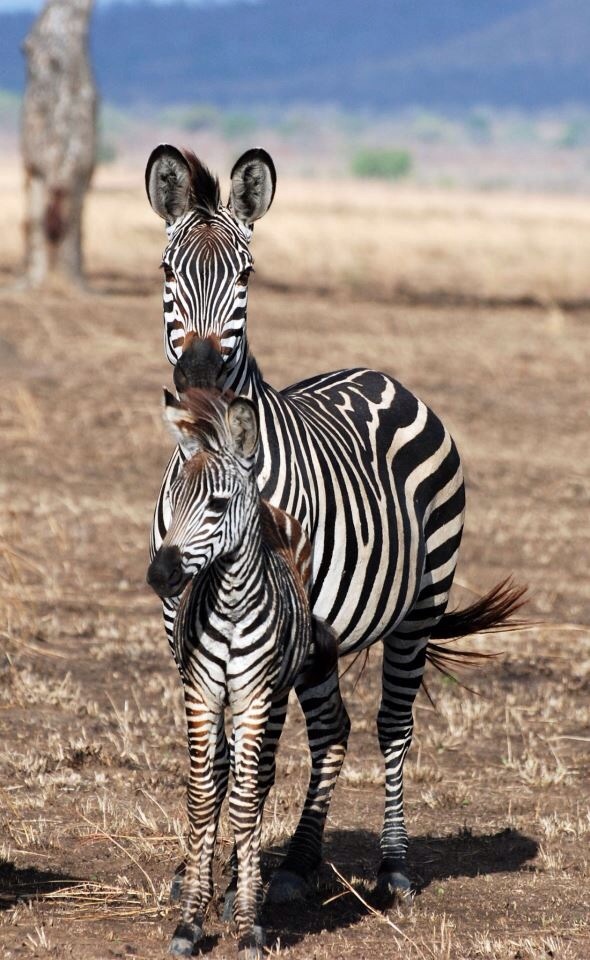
pixel 382 164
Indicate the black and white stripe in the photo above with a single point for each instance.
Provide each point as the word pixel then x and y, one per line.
pixel 369 471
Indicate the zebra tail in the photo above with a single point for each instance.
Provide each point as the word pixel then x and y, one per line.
pixel 325 651
pixel 492 612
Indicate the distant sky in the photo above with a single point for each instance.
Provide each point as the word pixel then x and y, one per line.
pixel 9 5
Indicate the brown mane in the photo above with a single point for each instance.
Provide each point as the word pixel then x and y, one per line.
pixel 284 534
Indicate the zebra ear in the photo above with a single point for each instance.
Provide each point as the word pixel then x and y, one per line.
pixel 168 182
pixel 181 424
pixel 243 424
pixel 253 182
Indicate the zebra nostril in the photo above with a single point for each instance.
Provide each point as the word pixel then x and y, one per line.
pixel 200 364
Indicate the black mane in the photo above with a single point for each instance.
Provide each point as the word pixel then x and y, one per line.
pixel 204 185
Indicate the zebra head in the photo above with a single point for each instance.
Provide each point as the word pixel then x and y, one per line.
pixel 207 261
pixel 215 496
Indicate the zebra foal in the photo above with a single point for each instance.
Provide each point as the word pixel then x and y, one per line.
pixel 242 634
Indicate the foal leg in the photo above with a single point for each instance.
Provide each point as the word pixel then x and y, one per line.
pixel 266 779
pixel 220 773
pixel 245 810
pixel 209 771
pixel 328 727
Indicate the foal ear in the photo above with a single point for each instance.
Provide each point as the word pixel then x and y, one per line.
pixel 253 182
pixel 168 182
pixel 181 424
pixel 243 424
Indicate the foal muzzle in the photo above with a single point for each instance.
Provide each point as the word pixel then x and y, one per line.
pixel 165 575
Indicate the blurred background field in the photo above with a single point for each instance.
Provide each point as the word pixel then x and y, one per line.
pixel 363 238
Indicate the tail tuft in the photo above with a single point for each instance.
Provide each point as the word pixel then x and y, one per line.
pixel 495 611
pixel 492 612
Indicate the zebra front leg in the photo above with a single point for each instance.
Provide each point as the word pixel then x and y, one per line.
pixel 403 667
pixel 209 772
pixel 328 727
pixel 170 607
pixel 266 779
pixel 245 810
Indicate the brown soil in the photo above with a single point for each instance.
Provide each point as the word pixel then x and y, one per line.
pixel 92 752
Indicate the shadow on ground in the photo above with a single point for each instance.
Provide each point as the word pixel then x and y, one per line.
pixel 355 853
pixel 469 855
pixel 27 883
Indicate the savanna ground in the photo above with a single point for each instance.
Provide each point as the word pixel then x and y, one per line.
pixel 479 304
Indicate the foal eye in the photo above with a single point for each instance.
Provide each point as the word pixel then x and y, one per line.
pixel 219 504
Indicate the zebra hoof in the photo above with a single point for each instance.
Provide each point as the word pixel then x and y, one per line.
pixel 185 937
pixel 228 904
pixel 251 947
pixel 394 888
pixel 286 886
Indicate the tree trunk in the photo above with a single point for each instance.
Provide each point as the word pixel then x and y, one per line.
pixel 58 140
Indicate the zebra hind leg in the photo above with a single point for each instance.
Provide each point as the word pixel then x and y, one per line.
pixel 403 667
pixel 328 727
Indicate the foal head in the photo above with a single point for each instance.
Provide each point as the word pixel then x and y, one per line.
pixel 215 493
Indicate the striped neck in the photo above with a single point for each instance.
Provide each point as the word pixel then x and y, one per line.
pixel 239 576
pixel 241 374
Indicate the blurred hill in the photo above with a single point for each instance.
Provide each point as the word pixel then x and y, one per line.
pixel 378 54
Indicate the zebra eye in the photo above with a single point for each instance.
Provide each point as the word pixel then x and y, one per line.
pixel 168 273
pixel 218 504
pixel 244 276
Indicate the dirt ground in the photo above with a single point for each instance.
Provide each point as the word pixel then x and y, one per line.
pixel 92 749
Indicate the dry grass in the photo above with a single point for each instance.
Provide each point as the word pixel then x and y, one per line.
pixel 92 753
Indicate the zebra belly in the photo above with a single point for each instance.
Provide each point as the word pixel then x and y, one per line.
pixel 363 476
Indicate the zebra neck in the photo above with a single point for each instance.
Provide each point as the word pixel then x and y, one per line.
pixel 241 374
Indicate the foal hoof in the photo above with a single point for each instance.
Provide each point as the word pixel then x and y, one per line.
pixel 394 888
pixel 185 937
pixel 286 886
pixel 251 947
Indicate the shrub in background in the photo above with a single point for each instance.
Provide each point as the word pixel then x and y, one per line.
pixel 382 164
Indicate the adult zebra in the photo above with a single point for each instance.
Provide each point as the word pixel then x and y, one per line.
pixel 366 468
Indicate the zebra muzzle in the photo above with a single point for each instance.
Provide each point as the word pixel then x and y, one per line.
pixel 200 364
